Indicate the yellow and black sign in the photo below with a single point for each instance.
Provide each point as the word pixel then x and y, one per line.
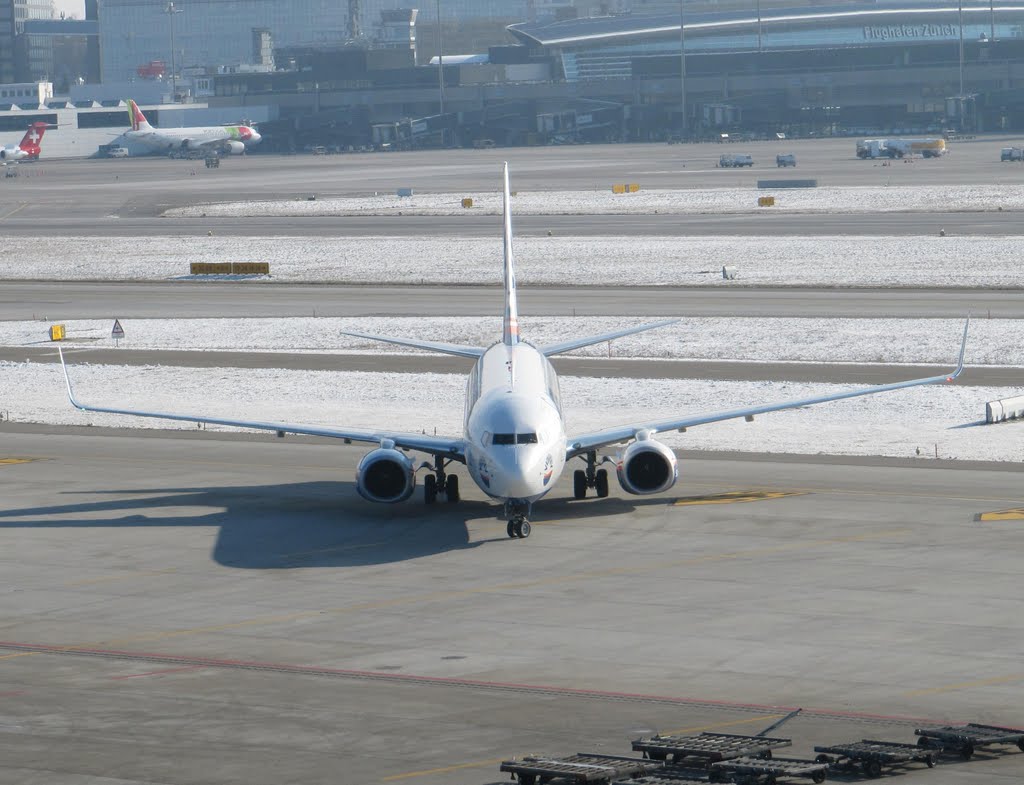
pixel 735 497
pixel 1016 514
pixel 57 332
pixel 766 201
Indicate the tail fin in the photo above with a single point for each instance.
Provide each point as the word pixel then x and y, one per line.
pixel 136 118
pixel 510 328
pixel 33 136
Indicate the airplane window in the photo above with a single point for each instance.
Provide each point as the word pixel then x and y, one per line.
pixel 526 438
pixel 504 438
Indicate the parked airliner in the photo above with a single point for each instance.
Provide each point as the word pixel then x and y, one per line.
pixel 514 444
pixel 28 147
pixel 234 139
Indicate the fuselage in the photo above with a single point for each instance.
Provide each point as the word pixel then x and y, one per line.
pixel 514 432
pixel 173 138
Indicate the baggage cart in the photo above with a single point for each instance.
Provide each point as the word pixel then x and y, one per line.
pixel 965 739
pixel 708 747
pixel 871 756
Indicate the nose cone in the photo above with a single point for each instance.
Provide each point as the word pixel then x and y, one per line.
pixel 254 137
pixel 520 473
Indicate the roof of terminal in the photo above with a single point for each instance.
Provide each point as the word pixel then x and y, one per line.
pixel 589 29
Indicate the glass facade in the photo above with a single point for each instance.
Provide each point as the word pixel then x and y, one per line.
pixel 596 50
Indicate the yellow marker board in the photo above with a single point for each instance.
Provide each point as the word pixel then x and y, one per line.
pixel 1003 515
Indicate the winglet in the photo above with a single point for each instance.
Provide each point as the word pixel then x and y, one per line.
pixel 963 350
pixel 510 327
pixel 67 381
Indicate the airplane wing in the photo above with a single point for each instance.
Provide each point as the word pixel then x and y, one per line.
pixel 591 441
pixel 453 449
pixel 579 343
pixel 444 348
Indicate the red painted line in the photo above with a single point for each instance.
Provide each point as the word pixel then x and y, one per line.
pixel 312 670
pixel 160 673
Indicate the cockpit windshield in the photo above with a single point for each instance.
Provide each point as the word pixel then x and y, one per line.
pixel 514 438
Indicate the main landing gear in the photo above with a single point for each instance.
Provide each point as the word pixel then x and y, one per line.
pixel 440 482
pixel 592 477
pixel 518 515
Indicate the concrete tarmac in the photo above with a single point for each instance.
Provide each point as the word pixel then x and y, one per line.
pixel 56 301
pixel 208 609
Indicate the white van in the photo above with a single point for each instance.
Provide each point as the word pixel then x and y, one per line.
pixel 117 152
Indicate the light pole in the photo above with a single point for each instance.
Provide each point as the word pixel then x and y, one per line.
pixel 682 76
pixel 170 10
pixel 440 69
pixel 960 95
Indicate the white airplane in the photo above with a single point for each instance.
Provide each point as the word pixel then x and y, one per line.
pixel 28 147
pixel 514 443
pixel 232 139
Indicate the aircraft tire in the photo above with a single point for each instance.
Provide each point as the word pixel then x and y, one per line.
pixel 429 489
pixel 451 488
pixel 579 484
pixel 601 483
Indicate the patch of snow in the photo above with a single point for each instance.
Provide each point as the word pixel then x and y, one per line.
pixel 911 261
pixel 865 199
pixel 899 341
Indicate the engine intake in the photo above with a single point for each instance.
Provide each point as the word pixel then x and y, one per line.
pixel 646 466
pixel 385 475
pixel 234 147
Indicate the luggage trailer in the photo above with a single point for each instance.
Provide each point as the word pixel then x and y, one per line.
pixel 707 748
pixel 871 756
pixel 965 739
pixel 582 768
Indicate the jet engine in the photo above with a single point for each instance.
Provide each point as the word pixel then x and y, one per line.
pixel 646 466
pixel 385 475
pixel 235 148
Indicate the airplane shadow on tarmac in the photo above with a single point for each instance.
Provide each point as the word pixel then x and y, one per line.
pixel 314 524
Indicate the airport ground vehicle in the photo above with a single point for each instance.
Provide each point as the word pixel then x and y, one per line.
pixel 785 159
pixel 212 161
pixel 117 152
pixel 1011 154
pixel 901 148
pixel 733 161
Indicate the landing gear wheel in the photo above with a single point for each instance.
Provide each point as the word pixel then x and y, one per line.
pixel 579 484
pixel 523 530
pixel 451 488
pixel 601 483
pixel 511 529
pixel 872 768
pixel 429 489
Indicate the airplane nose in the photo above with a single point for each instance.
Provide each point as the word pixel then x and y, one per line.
pixel 255 137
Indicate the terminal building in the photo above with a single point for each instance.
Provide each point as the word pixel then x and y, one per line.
pixel 849 68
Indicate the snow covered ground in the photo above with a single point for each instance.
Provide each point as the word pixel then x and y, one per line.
pixel 906 423
pixel 868 199
pixel 992 341
pixel 912 260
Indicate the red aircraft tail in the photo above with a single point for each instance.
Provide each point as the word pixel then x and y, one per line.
pixel 30 142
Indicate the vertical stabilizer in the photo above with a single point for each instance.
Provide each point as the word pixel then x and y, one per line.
pixel 510 330
pixel 137 118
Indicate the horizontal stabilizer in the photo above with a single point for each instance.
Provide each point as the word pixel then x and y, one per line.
pixel 579 343
pixel 430 346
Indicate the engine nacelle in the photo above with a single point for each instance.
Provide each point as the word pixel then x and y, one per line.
pixel 646 466
pixel 235 148
pixel 385 475
pixel 3 153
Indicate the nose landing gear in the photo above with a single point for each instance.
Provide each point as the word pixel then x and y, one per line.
pixel 518 515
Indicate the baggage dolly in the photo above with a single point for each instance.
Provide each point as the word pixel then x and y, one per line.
pixel 965 739
pixel 760 771
pixel 709 747
pixel 872 755
pixel 580 768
